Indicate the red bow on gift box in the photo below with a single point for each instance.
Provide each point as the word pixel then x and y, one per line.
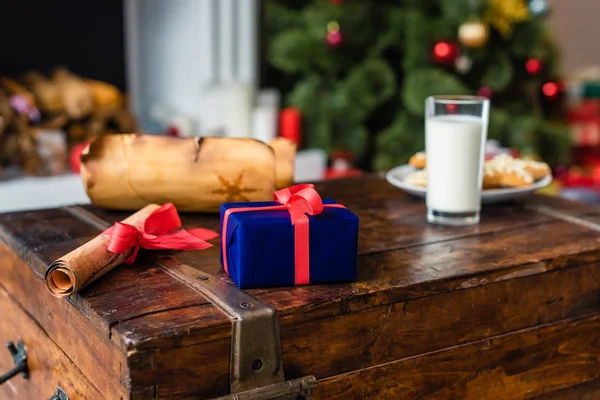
pixel 300 200
pixel 161 230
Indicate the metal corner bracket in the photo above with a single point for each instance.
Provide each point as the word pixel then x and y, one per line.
pixel 256 367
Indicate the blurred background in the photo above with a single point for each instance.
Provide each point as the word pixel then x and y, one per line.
pixel 345 79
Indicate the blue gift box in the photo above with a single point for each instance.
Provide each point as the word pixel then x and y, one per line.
pixel 260 245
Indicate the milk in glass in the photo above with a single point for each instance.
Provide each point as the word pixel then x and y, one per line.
pixel 454 151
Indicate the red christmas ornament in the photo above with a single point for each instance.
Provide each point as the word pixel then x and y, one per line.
pixel 445 52
pixel 451 108
pixel 334 39
pixel 337 2
pixel 485 91
pixel 533 66
pixel 442 50
pixel 550 89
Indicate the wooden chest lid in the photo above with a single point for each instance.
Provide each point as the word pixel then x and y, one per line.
pixel 401 257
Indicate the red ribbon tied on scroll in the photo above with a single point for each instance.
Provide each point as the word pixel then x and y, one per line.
pixel 160 231
pixel 300 200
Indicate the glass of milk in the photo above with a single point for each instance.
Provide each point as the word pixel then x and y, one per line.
pixel 455 135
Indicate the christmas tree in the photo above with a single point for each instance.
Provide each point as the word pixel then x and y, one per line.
pixel 360 70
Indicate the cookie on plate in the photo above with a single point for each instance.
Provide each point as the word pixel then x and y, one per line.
pixel 537 169
pixel 491 177
pixel 511 171
pixel 418 160
pixel 417 178
pixel 515 177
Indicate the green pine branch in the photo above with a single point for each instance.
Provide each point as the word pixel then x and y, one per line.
pixel 370 90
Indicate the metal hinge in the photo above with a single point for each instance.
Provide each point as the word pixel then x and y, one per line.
pixel 256 367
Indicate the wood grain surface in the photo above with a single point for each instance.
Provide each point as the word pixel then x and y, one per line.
pixel 589 390
pixel 519 365
pixel 421 289
pixel 70 329
pixel 49 367
pixel 386 333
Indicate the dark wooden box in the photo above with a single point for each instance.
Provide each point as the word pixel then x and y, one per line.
pixel 508 309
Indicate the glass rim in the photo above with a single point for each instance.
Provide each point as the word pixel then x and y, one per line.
pixel 458 99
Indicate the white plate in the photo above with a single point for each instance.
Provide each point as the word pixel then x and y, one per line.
pixel 396 177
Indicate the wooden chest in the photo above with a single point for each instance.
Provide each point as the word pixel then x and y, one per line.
pixel 508 309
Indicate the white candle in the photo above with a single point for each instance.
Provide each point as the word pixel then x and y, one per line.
pixel 264 123
pixel 234 108
pixel 310 165
pixel 265 115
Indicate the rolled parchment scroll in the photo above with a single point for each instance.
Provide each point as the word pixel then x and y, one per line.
pixel 71 273
pixel 129 171
pixel 285 155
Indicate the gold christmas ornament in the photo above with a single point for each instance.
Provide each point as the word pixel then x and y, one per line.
pixel 333 27
pixel 505 14
pixel 473 34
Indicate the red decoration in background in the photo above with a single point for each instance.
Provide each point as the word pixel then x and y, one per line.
pixel 334 36
pixel 515 153
pixel 173 131
pixel 451 108
pixel 578 177
pixel 584 124
pixel 334 39
pixel 445 52
pixel 589 108
pixel 290 124
pixel 533 66
pixel 75 156
pixel 337 2
pixel 341 165
pixel 485 91
pixel 550 89
pixel 442 50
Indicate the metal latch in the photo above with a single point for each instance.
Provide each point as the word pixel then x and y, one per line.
pixel 19 355
pixel 298 389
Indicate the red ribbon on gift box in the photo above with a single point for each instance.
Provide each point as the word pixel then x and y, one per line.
pixel 161 231
pixel 300 200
